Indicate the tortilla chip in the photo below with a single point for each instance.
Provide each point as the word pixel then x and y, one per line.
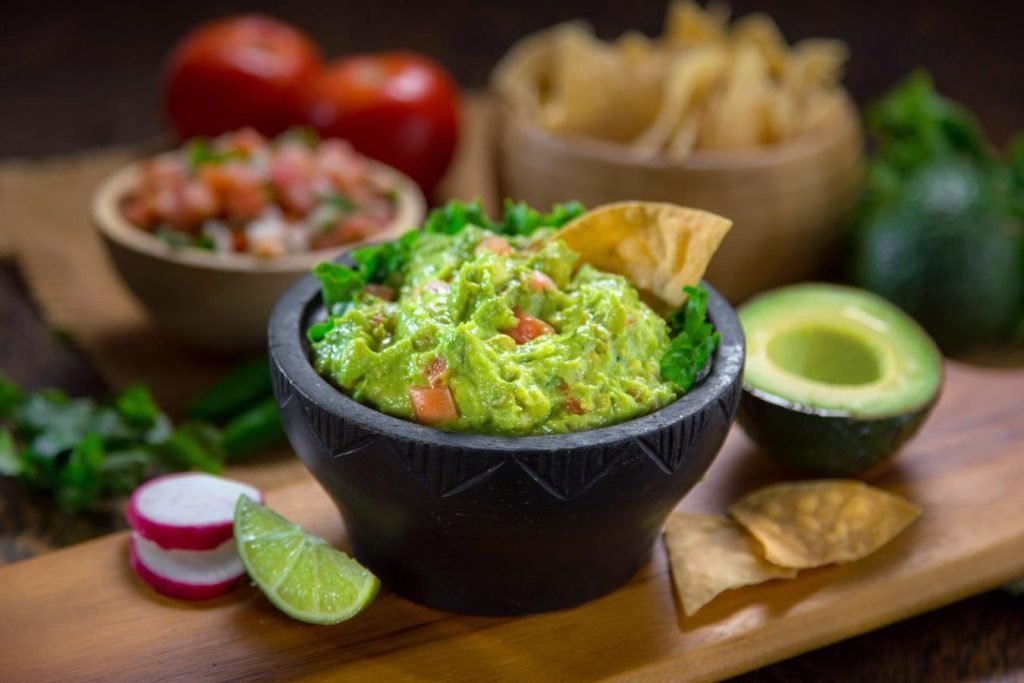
pixel 814 523
pixel 523 74
pixel 689 81
pixel 816 63
pixel 735 118
pixel 685 138
pixel 597 91
pixel 636 47
pixel 702 85
pixel 782 114
pixel 710 554
pixel 760 31
pixel 660 247
pixel 687 25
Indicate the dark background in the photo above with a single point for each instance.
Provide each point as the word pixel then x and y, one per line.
pixel 76 75
pixel 85 74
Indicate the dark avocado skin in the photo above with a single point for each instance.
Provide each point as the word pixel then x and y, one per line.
pixel 824 444
pixel 947 254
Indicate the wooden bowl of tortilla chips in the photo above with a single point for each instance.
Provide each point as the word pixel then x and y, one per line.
pixel 727 118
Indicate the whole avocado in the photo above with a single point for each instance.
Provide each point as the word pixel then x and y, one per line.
pixel 937 231
pixel 946 253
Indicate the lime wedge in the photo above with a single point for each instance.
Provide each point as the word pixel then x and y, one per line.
pixel 300 573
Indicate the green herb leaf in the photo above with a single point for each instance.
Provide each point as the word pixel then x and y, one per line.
pixel 694 340
pixel 520 219
pixel 338 283
pixel 79 482
pixel 913 125
pixel 124 470
pixel 318 331
pixel 176 239
pixel 340 202
pixel 194 445
pixel 201 151
pixel 54 423
pixel 204 242
pixel 137 407
pixel 1015 183
pixel 10 463
pixel 80 452
pixel 11 397
pixel 454 216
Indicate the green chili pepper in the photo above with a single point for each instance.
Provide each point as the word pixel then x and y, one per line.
pixel 240 389
pixel 254 430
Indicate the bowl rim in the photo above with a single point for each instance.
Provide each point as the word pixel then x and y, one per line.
pixel 110 221
pixel 805 144
pixel 288 351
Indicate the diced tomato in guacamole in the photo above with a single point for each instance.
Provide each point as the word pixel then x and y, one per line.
pixel 500 335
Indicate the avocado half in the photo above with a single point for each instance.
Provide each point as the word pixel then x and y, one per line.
pixel 836 380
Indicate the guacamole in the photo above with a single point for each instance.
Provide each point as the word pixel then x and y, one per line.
pixel 499 335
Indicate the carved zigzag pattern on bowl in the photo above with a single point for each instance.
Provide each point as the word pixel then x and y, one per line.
pixel 669 447
pixel 566 475
pixel 445 471
pixel 338 438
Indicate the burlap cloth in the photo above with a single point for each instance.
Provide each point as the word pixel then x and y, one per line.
pixel 45 224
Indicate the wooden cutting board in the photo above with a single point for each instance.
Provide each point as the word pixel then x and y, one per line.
pixel 79 614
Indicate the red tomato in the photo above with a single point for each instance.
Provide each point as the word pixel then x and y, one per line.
pixel 433 406
pixel 540 281
pixel 398 108
pixel 247 70
pixel 528 328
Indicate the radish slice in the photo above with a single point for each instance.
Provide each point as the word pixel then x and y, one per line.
pixel 189 511
pixel 186 574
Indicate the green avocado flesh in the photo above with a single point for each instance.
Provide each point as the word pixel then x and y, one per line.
pixel 836 379
pixel 596 364
pixel 838 349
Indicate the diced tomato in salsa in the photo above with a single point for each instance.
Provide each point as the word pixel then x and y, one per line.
pixel 433 406
pixel 277 196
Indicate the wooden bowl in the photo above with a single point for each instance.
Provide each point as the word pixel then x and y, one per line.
pixel 214 301
pixel 789 202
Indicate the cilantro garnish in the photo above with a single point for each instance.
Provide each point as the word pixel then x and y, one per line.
pixel 694 340
pixel 201 151
pixel 81 450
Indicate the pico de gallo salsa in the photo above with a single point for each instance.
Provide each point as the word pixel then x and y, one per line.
pixel 244 193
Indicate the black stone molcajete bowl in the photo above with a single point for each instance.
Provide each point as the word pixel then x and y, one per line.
pixel 499 525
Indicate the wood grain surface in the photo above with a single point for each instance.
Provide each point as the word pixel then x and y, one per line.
pixel 966 469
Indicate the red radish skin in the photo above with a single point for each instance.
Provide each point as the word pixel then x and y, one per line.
pixel 188 511
pixel 186 574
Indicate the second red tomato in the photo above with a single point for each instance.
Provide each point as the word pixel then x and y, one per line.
pixel 398 108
